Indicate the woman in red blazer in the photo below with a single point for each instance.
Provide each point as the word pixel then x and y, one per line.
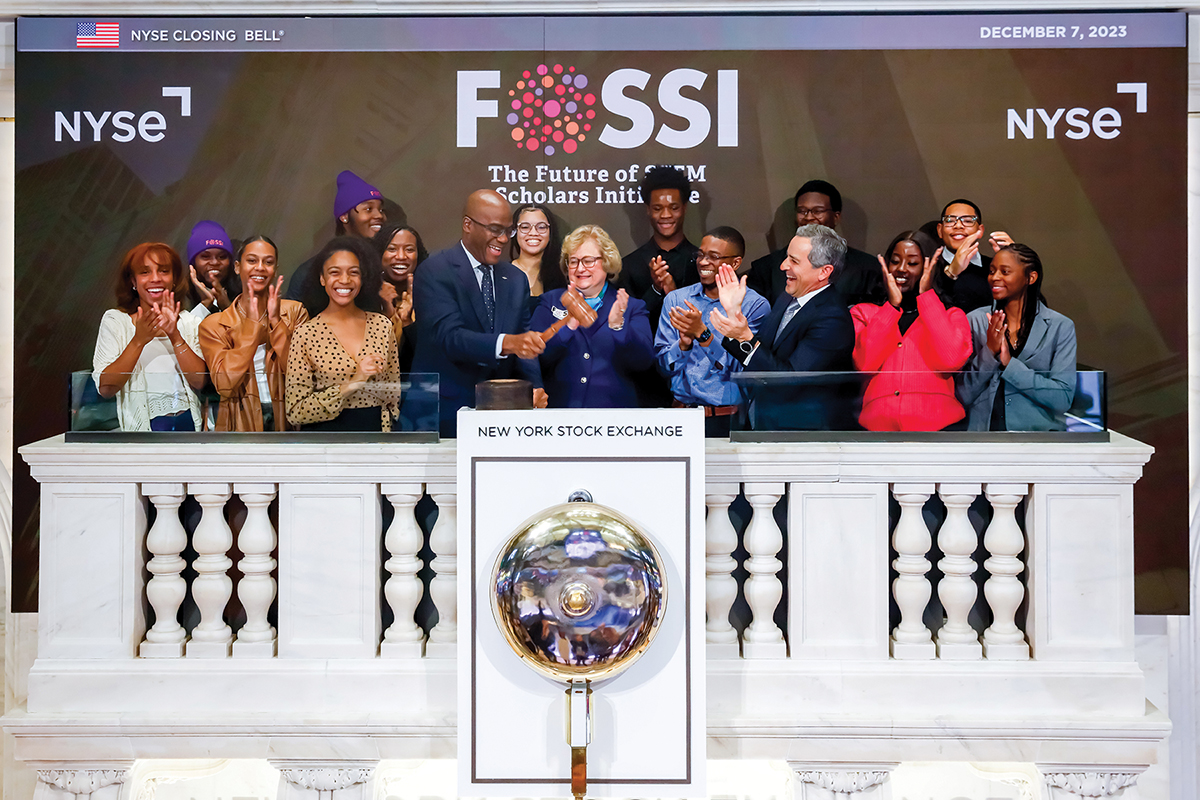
pixel 914 342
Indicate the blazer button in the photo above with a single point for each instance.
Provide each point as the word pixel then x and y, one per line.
pixel 897 393
pixel 587 355
pixel 583 380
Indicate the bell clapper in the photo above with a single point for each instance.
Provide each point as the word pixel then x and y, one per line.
pixel 579 733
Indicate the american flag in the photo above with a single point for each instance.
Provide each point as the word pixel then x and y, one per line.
pixel 97 34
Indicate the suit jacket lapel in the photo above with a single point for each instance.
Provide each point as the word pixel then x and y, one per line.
pixel 1037 335
pixel 466 275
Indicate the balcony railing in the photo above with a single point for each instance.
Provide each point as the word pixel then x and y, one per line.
pixel 869 602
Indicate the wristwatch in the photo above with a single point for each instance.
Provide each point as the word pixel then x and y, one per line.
pixel 705 337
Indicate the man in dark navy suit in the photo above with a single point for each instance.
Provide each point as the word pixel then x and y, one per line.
pixel 472 311
pixel 808 330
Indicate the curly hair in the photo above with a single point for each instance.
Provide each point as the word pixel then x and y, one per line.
pixel 162 254
pixel 608 250
pixel 666 177
pixel 314 296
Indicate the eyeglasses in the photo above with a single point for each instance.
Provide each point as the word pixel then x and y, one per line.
pixel 495 230
pixel 820 211
pixel 712 258
pixel 966 221
pixel 526 227
pixel 587 262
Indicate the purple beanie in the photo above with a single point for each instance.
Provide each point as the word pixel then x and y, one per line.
pixel 352 190
pixel 207 234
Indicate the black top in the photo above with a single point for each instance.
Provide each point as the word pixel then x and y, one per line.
pixel 295 284
pixel 654 390
pixel 971 289
pixel 859 282
pixel 636 279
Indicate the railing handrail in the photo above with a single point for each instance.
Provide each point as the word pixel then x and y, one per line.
pixel 1120 460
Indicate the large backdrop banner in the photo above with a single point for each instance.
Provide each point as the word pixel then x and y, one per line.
pixel 1067 129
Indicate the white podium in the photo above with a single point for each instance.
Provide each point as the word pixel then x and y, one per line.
pixel 649 721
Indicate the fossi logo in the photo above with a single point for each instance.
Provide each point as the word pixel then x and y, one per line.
pixel 554 108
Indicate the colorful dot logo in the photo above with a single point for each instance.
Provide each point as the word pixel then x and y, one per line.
pixel 551 109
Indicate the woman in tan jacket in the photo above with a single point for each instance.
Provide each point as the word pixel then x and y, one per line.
pixel 246 345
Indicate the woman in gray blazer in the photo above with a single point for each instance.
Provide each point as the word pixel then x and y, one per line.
pixel 1021 375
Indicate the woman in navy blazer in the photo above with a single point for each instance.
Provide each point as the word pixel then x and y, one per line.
pixel 593 367
pixel 1021 376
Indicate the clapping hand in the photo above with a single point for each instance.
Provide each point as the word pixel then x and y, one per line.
pixel 688 322
pixel 997 339
pixel 388 294
pixel 166 318
pixel 661 275
pixel 273 301
pixel 966 252
pixel 206 295
pixel 730 290
pixel 927 274
pixel 368 367
pixel 145 326
pixel 894 295
pixel 616 315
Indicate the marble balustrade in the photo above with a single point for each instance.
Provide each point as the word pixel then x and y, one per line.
pixel 974 592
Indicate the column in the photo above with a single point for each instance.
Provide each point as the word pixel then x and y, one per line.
pixel 764 540
pixel 720 540
pixel 403 589
pixel 1004 540
pixel 957 591
pixel 212 588
pixel 837 570
pixel 167 588
pixel 329 570
pixel 443 540
pixel 256 589
pixel 911 639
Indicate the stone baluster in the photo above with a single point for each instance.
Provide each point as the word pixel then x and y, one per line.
pixel 167 588
pixel 212 588
pixel 911 639
pixel 957 591
pixel 256 589
pixel 764 540
pixel 720 587
pixel 443 590
pixel 1004 541
pixel 403 589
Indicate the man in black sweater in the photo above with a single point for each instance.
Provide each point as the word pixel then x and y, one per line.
pixel 963 271
pixel 662 265
pixel 820 203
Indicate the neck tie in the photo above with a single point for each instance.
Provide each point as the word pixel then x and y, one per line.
pixel 787 317
pixel 489 296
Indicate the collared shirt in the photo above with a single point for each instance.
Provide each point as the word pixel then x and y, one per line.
pixel 701 375
pixel 948 257
pixel 477 267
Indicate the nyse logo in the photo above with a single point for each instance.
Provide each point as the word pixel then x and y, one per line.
pixel 1078 123
pixel 553 108
pixel 121 126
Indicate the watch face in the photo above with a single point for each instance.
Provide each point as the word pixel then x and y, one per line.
pixel 704 337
